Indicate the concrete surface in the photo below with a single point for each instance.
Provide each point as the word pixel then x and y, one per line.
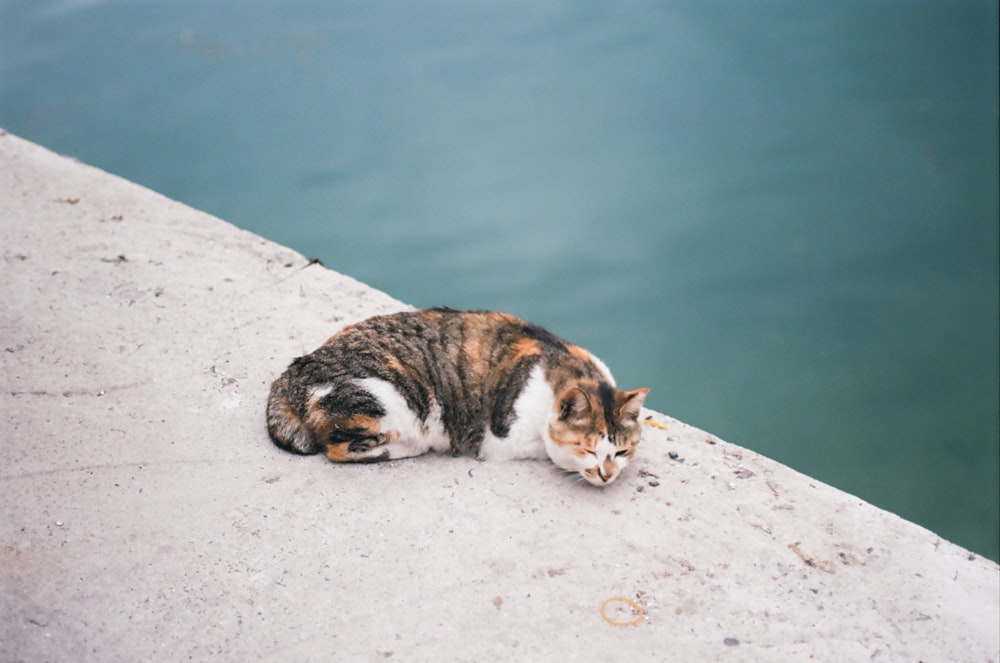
pixel 144 514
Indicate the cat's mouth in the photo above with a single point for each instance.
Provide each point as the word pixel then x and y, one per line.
pixel 602 474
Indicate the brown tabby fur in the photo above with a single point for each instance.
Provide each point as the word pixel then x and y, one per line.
pixel 461 371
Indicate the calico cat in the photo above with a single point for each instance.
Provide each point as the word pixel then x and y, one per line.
pixel 476 383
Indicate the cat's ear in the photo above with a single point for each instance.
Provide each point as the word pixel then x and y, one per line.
pixel 632 403
pixel 574 406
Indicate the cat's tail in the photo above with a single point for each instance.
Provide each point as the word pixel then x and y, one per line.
pixel 284 421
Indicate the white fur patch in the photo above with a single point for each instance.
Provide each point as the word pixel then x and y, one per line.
pixel 529 431
pixel 413 436
pixel 320 392
pixel 590 466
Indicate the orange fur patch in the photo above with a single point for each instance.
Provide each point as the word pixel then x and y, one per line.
pixel 525 347
pixel 317 421
pixel 610 467
pixel 339 453
pixel 580 443
pixel 361 422
pixel 474 351
pixel 393 364
pixel 579 352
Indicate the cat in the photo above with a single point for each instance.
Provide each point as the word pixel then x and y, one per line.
pixel 476 383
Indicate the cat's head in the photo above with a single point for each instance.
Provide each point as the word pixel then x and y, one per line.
pixel 594 430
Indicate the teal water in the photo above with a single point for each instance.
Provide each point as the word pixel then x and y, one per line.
pixel 781 216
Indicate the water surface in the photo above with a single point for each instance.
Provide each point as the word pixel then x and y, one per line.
pixel 781 216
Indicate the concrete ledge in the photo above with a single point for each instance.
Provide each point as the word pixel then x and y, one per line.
pixel 146 516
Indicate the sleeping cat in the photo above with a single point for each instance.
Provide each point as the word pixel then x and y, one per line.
pixel 476 383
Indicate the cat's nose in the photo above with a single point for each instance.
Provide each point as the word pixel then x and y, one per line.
pixel 606 470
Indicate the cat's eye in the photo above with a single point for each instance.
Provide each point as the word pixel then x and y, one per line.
pixel 622 452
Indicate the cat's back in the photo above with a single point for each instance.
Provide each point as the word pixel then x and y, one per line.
pixel 470 368
pixel 443 346
pixel 442 335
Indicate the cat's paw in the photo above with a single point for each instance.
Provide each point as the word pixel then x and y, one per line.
pixel 361 450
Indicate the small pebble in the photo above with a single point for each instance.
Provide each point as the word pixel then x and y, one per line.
pixel 673 455
pixel 59 523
